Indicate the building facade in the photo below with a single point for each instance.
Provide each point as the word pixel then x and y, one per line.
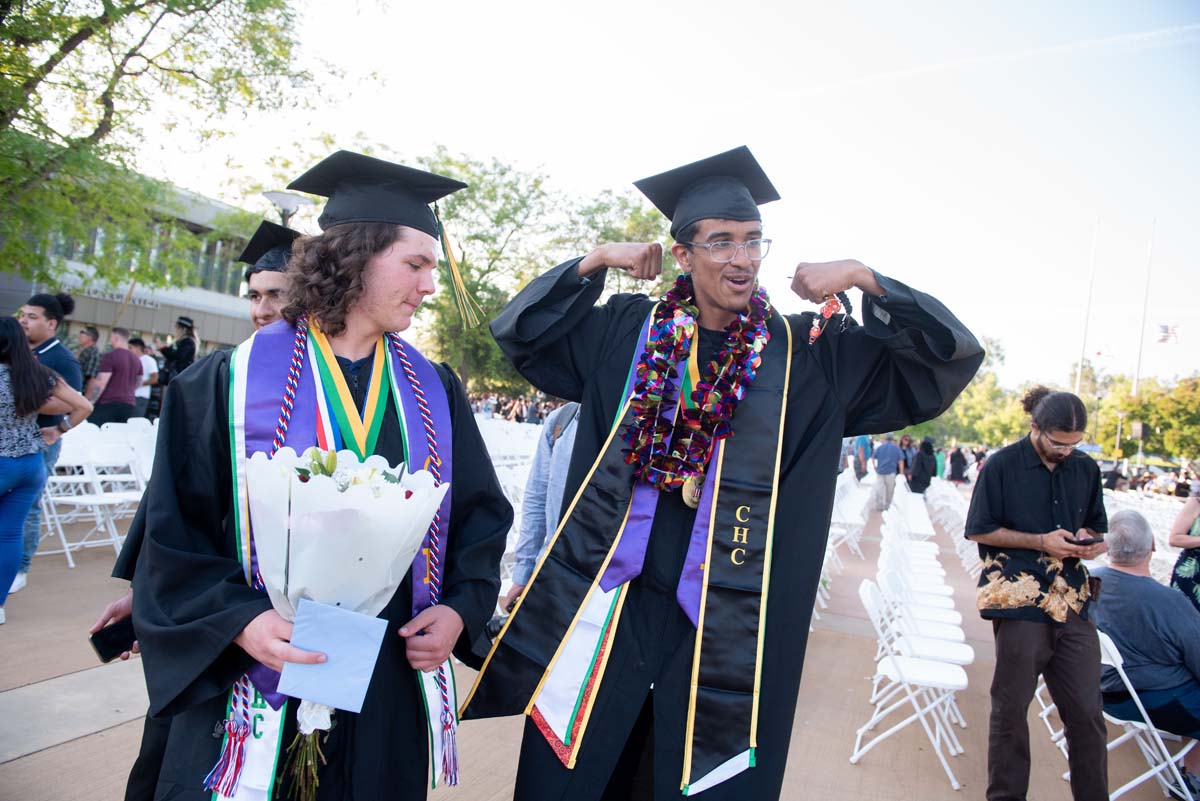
pixel 215 300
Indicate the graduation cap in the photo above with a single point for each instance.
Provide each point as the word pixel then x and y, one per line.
pixel 269 249
pixel 364 189
pixel 727 186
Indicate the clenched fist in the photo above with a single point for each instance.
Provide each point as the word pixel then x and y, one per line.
pixel 642 260
pixel 816 281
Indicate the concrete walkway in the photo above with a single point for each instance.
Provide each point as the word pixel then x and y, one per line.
pixel 71 727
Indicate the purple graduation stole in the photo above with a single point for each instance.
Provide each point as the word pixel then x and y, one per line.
pixel 276 400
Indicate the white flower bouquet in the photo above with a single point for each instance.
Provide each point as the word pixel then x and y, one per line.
pixel 339 531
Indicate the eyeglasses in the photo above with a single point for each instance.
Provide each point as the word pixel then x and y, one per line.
pixel 1062 447
pixel 725 251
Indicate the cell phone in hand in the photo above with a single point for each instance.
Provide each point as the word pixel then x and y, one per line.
pixel 114 640
pixel 1087 541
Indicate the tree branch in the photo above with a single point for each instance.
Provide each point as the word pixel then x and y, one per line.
pixel 110 17
pixel 104 125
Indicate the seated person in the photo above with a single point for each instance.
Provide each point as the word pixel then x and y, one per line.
pixel 1157 632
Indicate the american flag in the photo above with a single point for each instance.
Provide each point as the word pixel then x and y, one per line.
pixel 1168 334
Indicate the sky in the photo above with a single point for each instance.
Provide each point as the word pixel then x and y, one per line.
pixel 974 151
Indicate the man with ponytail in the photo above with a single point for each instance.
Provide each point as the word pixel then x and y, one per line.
pixel 41 317
pixel 1037 512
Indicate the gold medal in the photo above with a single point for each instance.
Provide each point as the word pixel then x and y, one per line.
pixel 693 488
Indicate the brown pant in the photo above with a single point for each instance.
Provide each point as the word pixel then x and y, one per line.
pixel 1069 657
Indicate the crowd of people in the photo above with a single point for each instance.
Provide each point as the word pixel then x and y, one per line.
pixel 534 409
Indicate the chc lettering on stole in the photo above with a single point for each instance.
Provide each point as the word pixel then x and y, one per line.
pixel 741 535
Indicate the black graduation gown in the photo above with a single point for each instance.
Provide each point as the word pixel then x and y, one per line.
pixel 906 365
pixel 191 601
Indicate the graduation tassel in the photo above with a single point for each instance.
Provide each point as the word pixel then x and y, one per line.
pixel 223 778
pixel 468 308
pixel 449 750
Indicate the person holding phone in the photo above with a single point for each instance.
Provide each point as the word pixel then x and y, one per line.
pixel 1037 512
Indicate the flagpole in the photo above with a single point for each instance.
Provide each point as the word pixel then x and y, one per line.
pixel 1087 311
pixel 1137 373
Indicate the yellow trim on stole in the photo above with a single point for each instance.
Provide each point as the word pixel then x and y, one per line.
pixel 578 613
pixel 762 611
pixel 358 424
pixel 577 740
pixel 545 555
pixel 691 719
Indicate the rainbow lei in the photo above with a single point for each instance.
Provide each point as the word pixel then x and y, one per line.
pixel 703 418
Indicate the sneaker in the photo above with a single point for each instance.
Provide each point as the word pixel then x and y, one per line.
pixel 18 583
pixel 1193 785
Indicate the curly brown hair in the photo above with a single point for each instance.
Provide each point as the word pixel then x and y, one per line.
pixel 326 271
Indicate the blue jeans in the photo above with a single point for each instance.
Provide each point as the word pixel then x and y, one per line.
pixel 21 481
pixel 1176 710
pixel 33 520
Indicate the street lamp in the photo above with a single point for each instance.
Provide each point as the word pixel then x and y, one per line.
pixel 287 204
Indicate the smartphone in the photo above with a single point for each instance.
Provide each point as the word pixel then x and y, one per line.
pixel 114 640
pixel 1088 541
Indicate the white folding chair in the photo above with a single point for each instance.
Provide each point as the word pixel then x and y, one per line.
pixel 897 592
pixel 926 686
pixel 1162 764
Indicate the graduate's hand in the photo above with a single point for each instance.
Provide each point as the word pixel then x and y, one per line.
pixel 116 611
pixel 815 281
pixel 430 636
pixel 642 260
pixel 514 592
pixel 266 639
pixel 50 435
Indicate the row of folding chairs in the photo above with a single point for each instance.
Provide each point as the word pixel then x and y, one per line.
pixel 845 530
pixel 98 481
pixel 948 508
pixel 921 649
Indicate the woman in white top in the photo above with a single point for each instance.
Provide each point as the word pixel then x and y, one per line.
pixel 26 388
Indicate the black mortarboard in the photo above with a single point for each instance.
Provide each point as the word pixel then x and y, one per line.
pixel 727 186
pixel 366 189
pixel 269 249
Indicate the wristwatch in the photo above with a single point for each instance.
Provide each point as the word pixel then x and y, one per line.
pixel 64 425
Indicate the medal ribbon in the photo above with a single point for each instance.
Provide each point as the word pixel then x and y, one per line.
pixel 359 433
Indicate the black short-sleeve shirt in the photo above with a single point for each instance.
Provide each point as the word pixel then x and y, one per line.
pixel 1017 492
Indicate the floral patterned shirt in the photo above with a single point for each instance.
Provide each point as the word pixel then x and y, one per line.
pixel 19 435
pixel 1016 491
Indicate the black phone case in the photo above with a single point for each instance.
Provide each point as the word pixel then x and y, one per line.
pixel 114 640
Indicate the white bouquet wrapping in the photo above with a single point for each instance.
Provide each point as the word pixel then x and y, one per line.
pixel 334 529
pixel 338 531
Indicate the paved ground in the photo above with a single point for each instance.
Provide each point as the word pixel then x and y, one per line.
pixel 71 728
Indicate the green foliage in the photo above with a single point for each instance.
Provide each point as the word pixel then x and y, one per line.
pixel 495 227
pixel 619 217
pixel 77 78
pixel 507 228
pixel 986 413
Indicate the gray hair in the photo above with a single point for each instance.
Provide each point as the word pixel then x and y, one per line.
pixel 1129 538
